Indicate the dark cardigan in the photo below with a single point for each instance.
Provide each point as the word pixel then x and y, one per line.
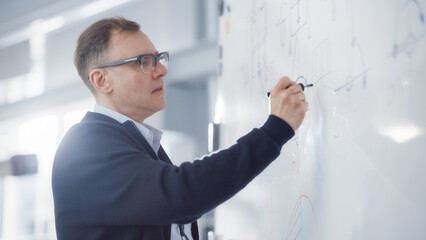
pixel 109 184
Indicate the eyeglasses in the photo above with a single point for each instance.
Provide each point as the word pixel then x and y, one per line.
pixel 148 62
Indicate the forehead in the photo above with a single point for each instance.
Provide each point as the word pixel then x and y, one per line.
pixel 129 44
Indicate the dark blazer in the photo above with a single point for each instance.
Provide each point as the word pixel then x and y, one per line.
pixel 109 184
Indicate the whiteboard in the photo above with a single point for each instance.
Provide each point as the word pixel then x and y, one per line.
pixel 356 169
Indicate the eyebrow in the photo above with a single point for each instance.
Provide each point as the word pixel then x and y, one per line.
pixel 154 53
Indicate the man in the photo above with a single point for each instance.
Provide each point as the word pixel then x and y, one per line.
pixel 112 179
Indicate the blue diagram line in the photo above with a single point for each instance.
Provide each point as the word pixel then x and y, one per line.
pixel 298 19
pixel 352 80
pixel 421 15
pixel 364 81
pixel 300 229
pixel 410 41
pixel 297 236
pixel 298 11
pixel 295 222
pixel 301 77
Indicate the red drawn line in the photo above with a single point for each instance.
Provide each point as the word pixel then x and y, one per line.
pixel 298 203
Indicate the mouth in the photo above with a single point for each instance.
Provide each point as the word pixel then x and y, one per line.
pixel 159 89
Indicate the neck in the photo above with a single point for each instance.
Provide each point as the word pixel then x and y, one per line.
pixel 130 112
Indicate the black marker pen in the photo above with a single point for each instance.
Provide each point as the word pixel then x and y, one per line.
pixel 301 84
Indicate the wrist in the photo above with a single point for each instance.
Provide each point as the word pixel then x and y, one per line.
pixel 278 129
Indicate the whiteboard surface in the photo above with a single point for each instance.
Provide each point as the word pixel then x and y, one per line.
pixel 356 168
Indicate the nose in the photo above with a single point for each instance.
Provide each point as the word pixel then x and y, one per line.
pixel 159 71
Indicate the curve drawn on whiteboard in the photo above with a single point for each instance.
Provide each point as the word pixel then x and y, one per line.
pixel 360 66
pixel 296 224
pixel 406 26
pixel 421 14
pixel 301 79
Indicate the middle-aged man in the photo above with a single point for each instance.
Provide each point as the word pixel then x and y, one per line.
pixel 111 177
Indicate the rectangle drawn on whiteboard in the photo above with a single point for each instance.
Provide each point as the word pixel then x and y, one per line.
pixel 321 60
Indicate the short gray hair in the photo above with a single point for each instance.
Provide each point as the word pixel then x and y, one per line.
pixel 92 45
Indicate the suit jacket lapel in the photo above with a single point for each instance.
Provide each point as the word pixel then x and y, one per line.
pixel 161 153
pixel 136 133
pixel 163 156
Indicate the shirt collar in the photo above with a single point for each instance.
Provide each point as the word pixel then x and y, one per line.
pixel 151 134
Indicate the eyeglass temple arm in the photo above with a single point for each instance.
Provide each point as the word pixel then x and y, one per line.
pixel 119 62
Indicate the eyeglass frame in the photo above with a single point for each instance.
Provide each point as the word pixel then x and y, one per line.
pixel 135 59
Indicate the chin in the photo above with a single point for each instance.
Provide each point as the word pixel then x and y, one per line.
pixel 162 106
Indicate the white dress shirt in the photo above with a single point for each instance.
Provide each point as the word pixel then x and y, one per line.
pixel 153 136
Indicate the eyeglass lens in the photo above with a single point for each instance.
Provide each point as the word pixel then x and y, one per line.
pixel 148 63
pixel 164 60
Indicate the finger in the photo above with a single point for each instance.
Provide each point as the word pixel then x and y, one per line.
pixel 300 96
pixel 293 93
pixel 305 106
pixel 295 88
pixel 283 83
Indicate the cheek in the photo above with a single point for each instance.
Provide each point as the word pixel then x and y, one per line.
pixel 132 84
pixel 139 92
pixel 125 92
pixel 139 87
pixel 133 88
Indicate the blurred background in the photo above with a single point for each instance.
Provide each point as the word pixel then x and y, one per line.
pixel 41 95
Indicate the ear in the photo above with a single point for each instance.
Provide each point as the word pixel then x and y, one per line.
pixel 99 80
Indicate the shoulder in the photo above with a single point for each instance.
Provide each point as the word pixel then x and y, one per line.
pixel 96 132
pixel 95 125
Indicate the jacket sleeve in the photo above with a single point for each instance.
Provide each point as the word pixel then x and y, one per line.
pixel 101 176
